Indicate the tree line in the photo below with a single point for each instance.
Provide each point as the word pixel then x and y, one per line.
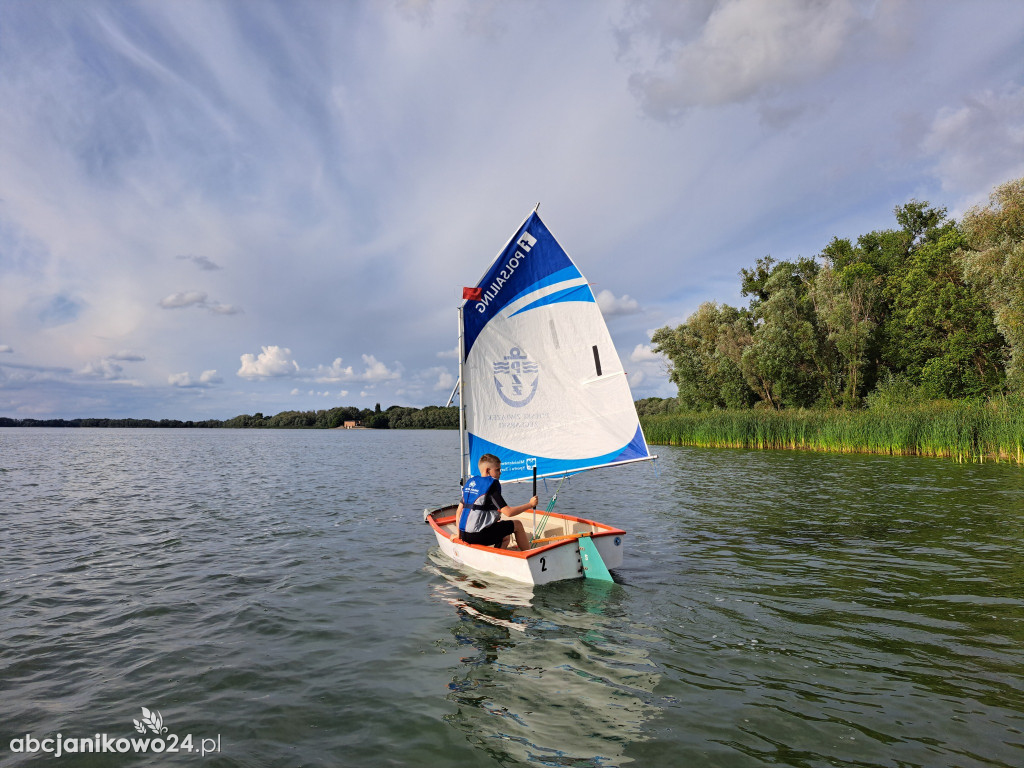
pixel 122 423
pixel 395 417
pixel 930 309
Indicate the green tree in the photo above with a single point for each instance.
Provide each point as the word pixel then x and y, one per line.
pixel 292 420
pixel 993 260
pixel 865 269
pixel 788 363
pixel 338 416
pixel 941 332
pixel 845 302
pixel 375 419
pixel 656 406
pixel 706 353
pixel 897 304
pixel 927 306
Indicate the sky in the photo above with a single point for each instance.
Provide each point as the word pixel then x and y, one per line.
pixel 215 208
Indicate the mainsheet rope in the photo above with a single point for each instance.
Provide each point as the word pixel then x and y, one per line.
pixel 538 529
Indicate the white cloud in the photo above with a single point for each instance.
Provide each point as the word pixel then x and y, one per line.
pixel 223 309
pixel 377 371
pixel 980 144
pixel 445 381
pixel 648 369
pixel 335 372
pixel 642 353
pixel 28 376
pixel 612 306
pixel 5 348
pixel 108 367
pixel 735 49
pixel 185 380
pixel 184 299
pixel 450 354
pixel 374 371
pixel 424 384
pixel 272 361
pixel 197 299
pixel 127 356
pixel 102 369
pixel 203 263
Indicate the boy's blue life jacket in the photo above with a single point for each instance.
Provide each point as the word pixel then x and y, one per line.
pixel 473 494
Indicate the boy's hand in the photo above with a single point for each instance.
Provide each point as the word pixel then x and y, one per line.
pixel 533 503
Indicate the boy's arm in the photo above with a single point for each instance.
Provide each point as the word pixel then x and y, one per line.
pixel 513 511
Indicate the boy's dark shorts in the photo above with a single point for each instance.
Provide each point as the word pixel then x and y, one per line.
pixel 491 536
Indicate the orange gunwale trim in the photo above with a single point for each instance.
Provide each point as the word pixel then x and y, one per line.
pixel 607 530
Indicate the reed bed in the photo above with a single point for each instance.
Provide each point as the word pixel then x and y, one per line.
pixel 960 430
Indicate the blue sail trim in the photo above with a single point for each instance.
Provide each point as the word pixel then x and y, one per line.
pixel 531 260
pixel 562 275
pixel 637 448
pixel 519 466
pixel 576 293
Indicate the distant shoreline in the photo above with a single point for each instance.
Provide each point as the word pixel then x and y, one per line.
pixel 395 417
pixel 960 430
pixel 166 424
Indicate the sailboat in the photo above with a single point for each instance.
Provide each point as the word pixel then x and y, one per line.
pixel 542 388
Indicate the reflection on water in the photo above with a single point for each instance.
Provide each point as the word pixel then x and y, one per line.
pixel 774 608
pixel 547 675
pixel 837 610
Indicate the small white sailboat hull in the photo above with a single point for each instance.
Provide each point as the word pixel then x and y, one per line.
pixel 555 557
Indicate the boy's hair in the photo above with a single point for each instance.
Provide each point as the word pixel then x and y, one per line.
pixel 490 460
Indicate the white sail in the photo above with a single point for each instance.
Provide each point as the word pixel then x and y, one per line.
pixel 542 384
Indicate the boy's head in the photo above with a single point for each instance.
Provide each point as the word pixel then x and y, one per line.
pixel 490 465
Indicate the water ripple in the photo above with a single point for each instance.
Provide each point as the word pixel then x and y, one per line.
pixel 272 588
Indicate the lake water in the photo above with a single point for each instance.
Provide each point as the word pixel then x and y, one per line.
pixel 274 595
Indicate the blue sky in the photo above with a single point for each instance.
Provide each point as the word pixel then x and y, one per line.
pixel 213 208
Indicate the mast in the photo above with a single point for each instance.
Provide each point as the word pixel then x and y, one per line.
pixel 462 403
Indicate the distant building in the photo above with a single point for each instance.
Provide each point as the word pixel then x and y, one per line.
pixel 352 425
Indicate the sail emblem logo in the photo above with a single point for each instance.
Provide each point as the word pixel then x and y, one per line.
pixel 516 378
